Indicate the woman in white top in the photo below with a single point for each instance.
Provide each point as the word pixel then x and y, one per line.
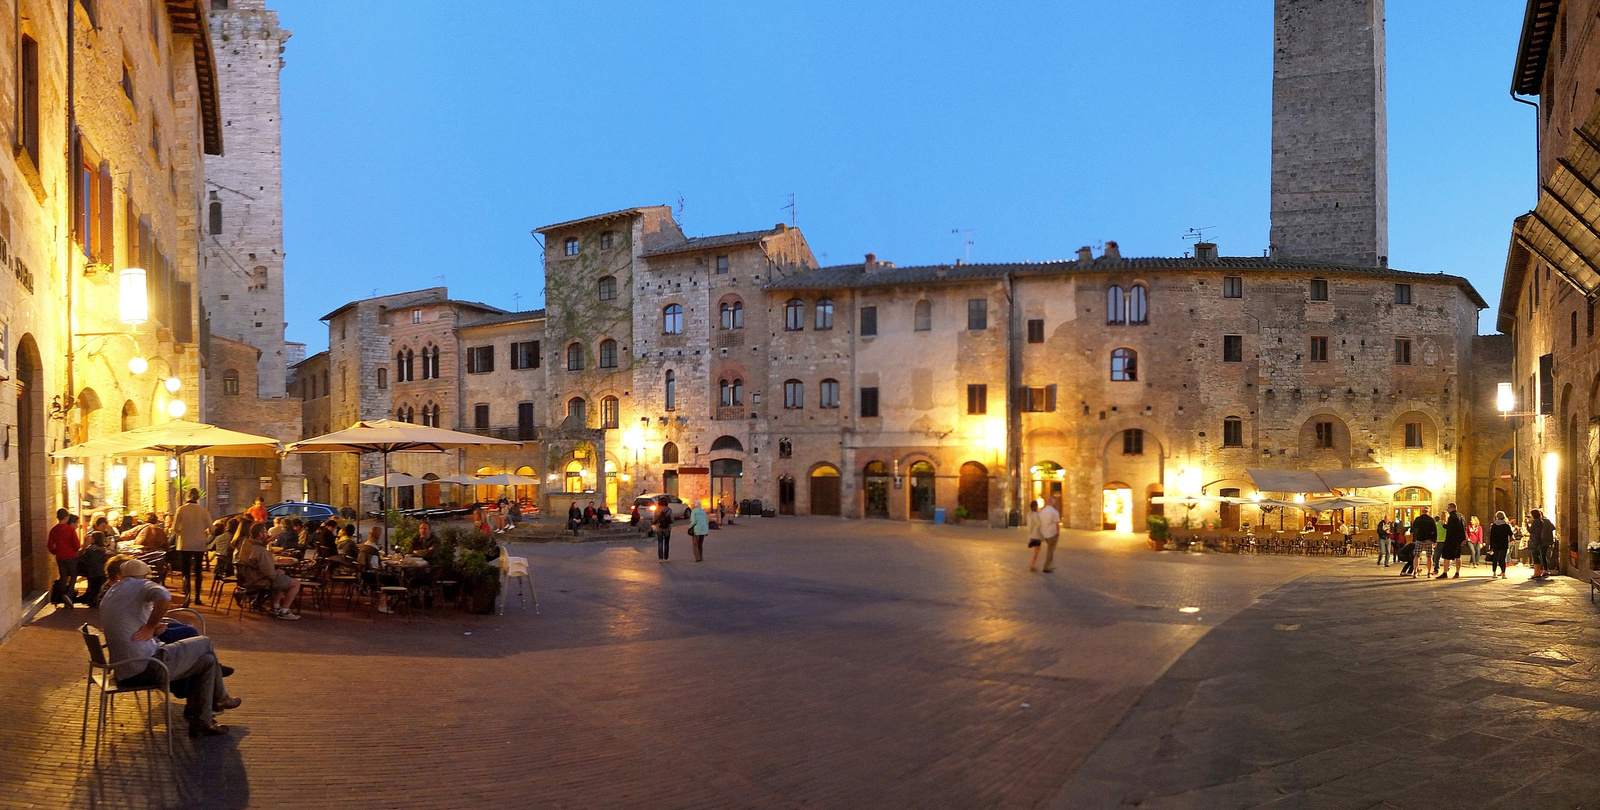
pixel 1035 533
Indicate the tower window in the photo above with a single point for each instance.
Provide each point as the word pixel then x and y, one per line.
pixel 672 319
pixel 1124 365
pixel 1319 350
pixel 1233 348
pixel 1319 289
pixel 1233 432
pixel 608 288
pixel 1133 442
pixel 570 247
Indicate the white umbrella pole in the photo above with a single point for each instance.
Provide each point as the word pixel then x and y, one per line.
pixel 384 507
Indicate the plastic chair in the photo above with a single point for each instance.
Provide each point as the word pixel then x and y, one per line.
pixel 103 675
pixel 515 568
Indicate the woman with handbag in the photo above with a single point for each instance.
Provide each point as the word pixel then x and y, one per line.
pixel 1035 534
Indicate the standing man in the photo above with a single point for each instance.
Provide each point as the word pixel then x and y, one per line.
pixel 63 545
pixel 1541 543
pixel 1050 532
pixel 663 525
pixel 257 511
pixel 1385 542
pixel 1455 534
pixel 193 525
pixel 699 526
pixel 1424 531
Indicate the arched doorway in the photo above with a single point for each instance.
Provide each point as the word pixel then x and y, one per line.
pixel 973 493
pixel 1047 480
pixel 825 490
pixel 921 496
pixel 1117 507
pixel 31 467
pixel 611 484
pixel 726 476
pixel 528 493
pixel 875 490
pixel 785 494
pixel 1230 511
pixel 572 481
pixel 1409 502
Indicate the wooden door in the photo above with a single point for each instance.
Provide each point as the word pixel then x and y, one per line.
pixel 973 494
pixel 825 494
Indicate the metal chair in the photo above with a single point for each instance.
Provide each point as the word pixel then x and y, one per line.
pixel 103 674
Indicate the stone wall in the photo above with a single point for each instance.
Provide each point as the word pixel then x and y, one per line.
pixel 238 407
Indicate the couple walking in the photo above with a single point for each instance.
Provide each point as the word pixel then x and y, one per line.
pixel 1044 529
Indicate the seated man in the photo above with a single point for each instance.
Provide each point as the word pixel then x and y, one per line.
pixel 347 545
pixel 131 615
pixel 427 542
pixel 258 570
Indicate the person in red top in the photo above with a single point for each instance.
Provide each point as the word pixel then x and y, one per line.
pixel 63 545
pixel 258 511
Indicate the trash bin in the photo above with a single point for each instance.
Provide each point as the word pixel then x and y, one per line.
pixel 938 514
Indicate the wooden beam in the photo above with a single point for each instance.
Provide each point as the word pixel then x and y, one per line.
pixel 1568 245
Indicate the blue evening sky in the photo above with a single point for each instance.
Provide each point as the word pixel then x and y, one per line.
pixel 423 141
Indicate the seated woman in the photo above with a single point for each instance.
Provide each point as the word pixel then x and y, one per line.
pixel 258 569
pixel 369 559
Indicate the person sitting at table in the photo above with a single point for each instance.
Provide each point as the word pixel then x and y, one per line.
pixel 92 560
pixel 426 543
pixel 274 531
pixel 369 560
pixel 222 533
pixel 258 569
pixel 153 536
pixel 326 544
pixel 347 545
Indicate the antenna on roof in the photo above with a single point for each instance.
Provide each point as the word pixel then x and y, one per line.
pixel 680 209
pixel 966 243
pixel 516 302
pixel 789 208
pixel 1198 234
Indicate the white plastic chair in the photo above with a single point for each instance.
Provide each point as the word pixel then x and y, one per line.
pixel 515 568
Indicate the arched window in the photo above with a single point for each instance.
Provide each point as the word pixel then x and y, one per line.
pixel 608 288
pixel 725 393
pixel 824 313
pixel 579 408
pixel 726 443
pixel 216 219
pixel 672 390
pixel 230 382
pixel 672 319
pixel 1124 365
pixel 430 362
pixel 608 353
pixel 922 315
pixel 1138 305
pixel 411 369
pixel 610 412
pixel 1116 306
pixel 785 448
pixel 738 392
pixel 669 453
pixel 733 315
pixel 400 366
pixel 794 315
pixel 575 357
pixel 573 480
pixel 829 394
pixel 794 394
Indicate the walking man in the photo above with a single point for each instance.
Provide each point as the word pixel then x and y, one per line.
pixel 1455 534
pixel 663 524
pixel 1424 531
pixel 1050 532
pixel 1541 543
pixel 63 545
pixel 193 525
pixel 699 526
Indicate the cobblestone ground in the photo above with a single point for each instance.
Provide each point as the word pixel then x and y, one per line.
pixel 839 664
pixel 1353 688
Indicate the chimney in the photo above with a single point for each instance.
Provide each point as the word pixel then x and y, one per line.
pixel 871 263
pixel 1205 251
pixel 1085 254
pixel 1111 251
pixel 780 227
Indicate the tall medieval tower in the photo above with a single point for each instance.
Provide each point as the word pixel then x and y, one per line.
pixel 243 286
pixel 1329 133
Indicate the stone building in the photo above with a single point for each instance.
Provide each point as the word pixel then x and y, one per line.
pixel 501 384
pixel 1552 274
pixel 242 272
pixel 310 382
pixel 113 107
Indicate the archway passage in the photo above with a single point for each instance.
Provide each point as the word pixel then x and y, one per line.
pixel 31 466
pixel 1117 508
pixel 1047 480
pixel 825 491
pixel 921 496
pixel 785 494
pixel 973 494
pixel 875 490
pixel 727 474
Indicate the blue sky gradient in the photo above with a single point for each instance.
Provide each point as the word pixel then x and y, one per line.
pixel 421 148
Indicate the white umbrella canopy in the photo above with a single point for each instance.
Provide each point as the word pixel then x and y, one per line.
pixel 395 479
pixel 1342 502
pixel 177 438
pixel 459 478
pixel 506 480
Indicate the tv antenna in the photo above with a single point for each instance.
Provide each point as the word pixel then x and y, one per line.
pixel 789 208
pixel 516 302
pixel 1198 234
pixel 680 209
pixel 966 243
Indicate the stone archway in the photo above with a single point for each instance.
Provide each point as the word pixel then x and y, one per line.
pixel 973 491
pixel 32 467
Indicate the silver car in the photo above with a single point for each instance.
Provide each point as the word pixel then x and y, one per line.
pixel 647 505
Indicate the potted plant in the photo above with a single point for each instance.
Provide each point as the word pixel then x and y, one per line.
pixel 480 581
pixel 959 514
pixel 1160 531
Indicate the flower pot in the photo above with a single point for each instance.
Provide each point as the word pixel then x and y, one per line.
pixel 479 597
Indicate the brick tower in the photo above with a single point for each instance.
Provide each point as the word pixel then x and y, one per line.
pixel 243 285
pixel 1329 142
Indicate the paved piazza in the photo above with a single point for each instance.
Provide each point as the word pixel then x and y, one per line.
pixel 817 663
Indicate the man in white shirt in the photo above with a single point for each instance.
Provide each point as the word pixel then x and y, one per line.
pixel 192 522
pixel 1050 531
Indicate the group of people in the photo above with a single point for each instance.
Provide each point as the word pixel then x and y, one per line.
pixel 1419 547
pixel 661 526
pixel 589 516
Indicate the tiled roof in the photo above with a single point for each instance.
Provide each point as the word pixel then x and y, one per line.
pixel 1533 47
pixel 855 275
pixel 625 212
pixel 322 354
pixel 506 317
pixel 712 242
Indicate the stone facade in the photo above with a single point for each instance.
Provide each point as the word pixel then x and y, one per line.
pixel 1329 125
pixel 230 386
pixel 309 382
pixel 102 180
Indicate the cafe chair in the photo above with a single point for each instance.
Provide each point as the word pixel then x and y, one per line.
pixel 102 675
pixel 515 569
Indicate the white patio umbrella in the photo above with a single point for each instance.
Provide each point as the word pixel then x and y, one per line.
pixel 177 439
pixel 395 479
pixel 385 436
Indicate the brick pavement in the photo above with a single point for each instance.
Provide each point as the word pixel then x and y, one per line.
pixel 1353 688
pixel 807 663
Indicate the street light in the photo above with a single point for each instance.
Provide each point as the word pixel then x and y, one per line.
pixel 176 408
pixel 135 298
pixel 173 384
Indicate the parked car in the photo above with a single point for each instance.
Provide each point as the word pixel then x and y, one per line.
pixel 305 510
pixel 647 504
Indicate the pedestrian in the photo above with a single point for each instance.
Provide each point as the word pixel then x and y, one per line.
pixel 1499 544
pixel 1475 541
pixel 699 527
pixel 1455 536
pixel 1424 531
pixel 1035 533
pixel 1385 542
pixel 92 560
pixel 1541 543
pixel 1519 543
pixel 257 511
pixel 663 526
pixel 193 524
pixel 62 543
pixel 1050 533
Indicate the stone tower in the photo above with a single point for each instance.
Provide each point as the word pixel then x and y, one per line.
pixel 1329 142
pixel 243 228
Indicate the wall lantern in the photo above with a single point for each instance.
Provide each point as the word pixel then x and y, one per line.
pixel 176 408
pixel 137 364
pixel 135 303
pixel 1505 398
pixel 173 384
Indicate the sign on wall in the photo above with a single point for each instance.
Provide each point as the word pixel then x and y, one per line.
pixel 223 489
